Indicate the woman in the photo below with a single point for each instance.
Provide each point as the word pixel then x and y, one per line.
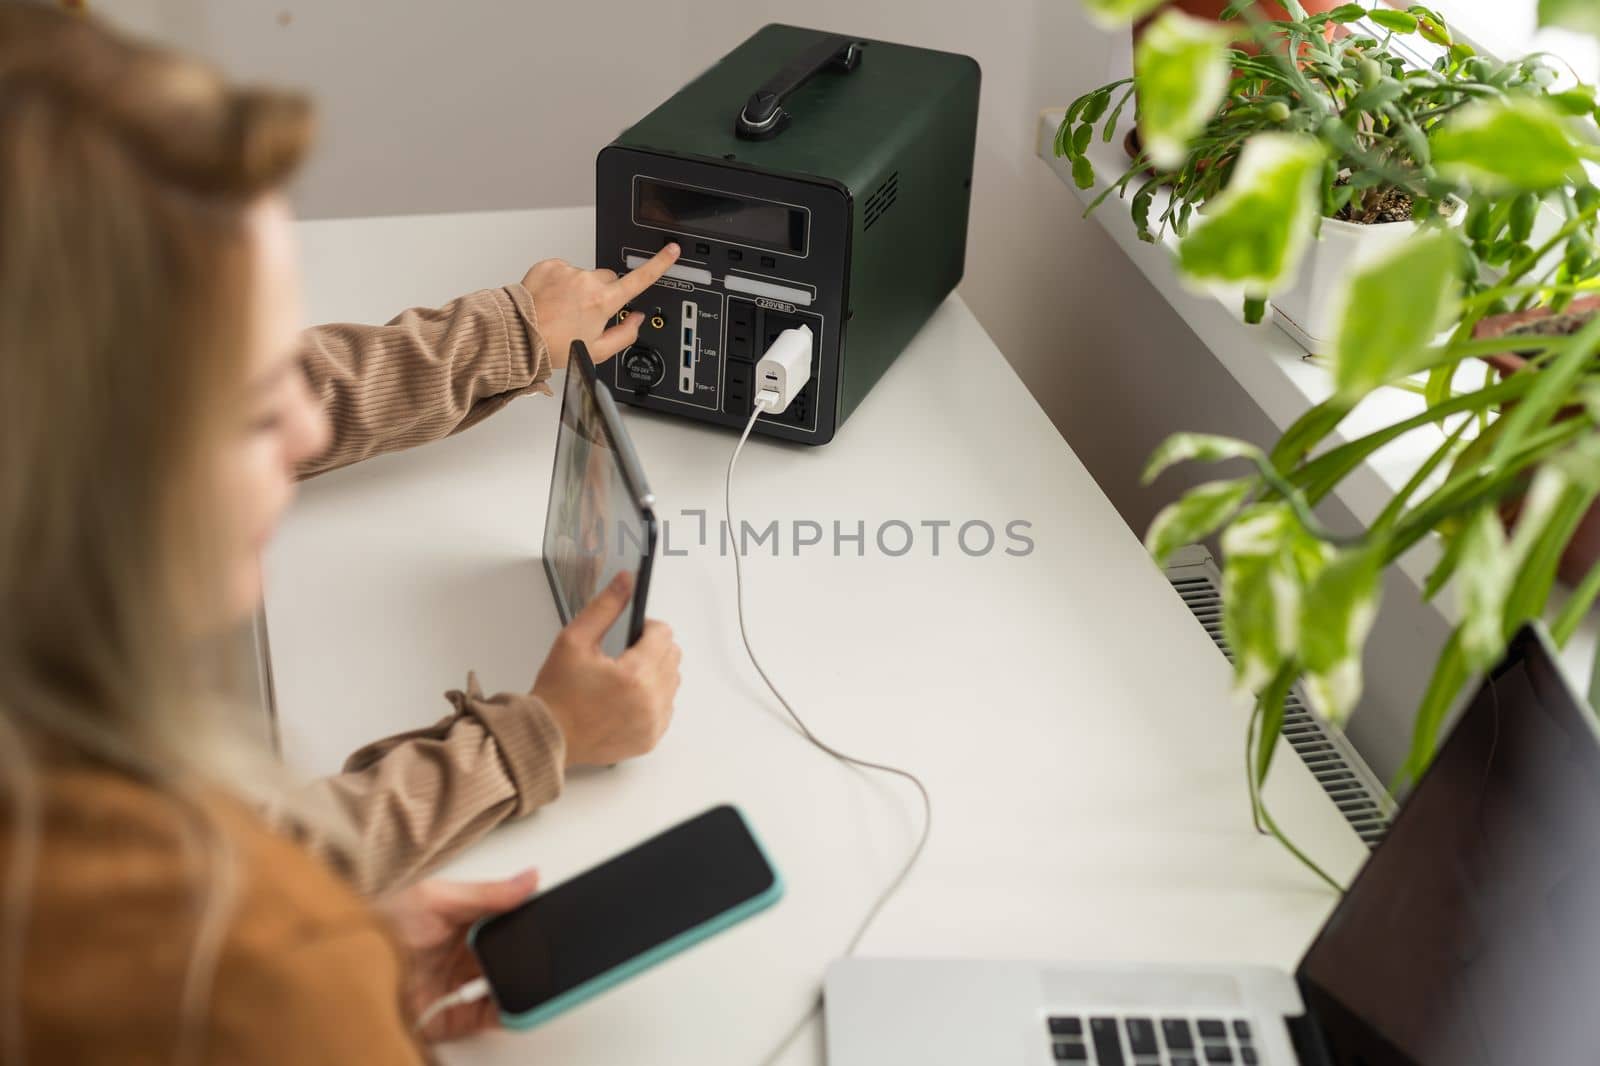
pixel 153 411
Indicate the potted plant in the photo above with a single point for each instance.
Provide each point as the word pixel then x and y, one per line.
pixel 1299 598
pixel 1369 111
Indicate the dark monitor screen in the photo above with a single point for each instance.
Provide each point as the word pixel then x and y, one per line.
pixel 1472 936
pixel 720 216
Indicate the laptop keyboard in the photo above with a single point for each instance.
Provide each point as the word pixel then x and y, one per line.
pixel 1150 1040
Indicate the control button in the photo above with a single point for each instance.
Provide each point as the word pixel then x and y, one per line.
pixel 786 293
pixel 769 262
pixel 694 275
pixel 643 367
pixel 702 248
pixel 735 255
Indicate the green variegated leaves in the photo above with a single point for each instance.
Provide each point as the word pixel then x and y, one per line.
pixel 1250 239
pixel 1199 513
pixel 1393 309
pixel 1583 15
pixel 1335 618
pixel 1197 447
pixel 1289 600
pixel 1270 559
pixel 1206 508
pixel 1181 75
pixel 1483 579
pixel 1109 14
pixel 1508 146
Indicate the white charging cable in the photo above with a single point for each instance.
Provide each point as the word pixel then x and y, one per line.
pixel 776 400
pixel 782 373
pixel 470 992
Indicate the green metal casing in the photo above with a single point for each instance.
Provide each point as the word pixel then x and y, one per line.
pixel 901 127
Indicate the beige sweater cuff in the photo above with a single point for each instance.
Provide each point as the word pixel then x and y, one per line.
pixel 529 354
pixel 530 742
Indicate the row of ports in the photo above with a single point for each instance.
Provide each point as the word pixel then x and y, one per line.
pixel 691 322
pixel 745 322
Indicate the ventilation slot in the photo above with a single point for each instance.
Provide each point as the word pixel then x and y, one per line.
pixel 1336 765
pixel 880 201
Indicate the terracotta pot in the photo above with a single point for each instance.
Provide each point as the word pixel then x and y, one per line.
pixel 1508 363
pixel 1584 549
pixel 1213 9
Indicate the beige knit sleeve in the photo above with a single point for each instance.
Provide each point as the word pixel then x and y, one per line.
pixel 426 374
pixel 417 798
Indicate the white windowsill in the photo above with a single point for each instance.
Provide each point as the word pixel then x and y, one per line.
pixel 1277 373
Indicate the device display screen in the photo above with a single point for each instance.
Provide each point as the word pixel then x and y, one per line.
pixel 600 919
pixel 720 216
pixel 594 528
pixel 1472 937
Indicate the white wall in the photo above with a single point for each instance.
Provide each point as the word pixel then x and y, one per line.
pixel 480 104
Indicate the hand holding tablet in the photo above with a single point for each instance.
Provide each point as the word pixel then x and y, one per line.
pixel 600 520
pixel 611 676
pixel 609 709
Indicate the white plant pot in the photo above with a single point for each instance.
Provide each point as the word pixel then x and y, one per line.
pixel 1306 312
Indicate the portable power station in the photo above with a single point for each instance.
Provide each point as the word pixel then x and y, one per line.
pixel 809 178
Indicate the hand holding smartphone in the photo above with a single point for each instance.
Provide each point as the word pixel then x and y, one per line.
pixel 582 937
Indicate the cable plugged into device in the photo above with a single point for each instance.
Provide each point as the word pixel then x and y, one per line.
pixel 470 992
pixel 784 370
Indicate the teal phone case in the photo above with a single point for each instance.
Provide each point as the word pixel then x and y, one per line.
pixel 660 953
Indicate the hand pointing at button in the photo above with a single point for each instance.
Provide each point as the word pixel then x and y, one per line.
pixel 573 304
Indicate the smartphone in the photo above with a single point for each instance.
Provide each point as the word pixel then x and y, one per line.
pixel 574 941
pixel 601 514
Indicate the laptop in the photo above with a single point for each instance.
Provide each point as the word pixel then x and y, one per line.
pixel 1471 937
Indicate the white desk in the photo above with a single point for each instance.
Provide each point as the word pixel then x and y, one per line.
pixel 1074 723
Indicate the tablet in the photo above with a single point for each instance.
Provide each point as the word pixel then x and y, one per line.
pixel 601 517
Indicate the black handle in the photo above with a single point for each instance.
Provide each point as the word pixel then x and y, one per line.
pixel 763 115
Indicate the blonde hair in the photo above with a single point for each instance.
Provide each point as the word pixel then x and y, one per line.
pixel 125 176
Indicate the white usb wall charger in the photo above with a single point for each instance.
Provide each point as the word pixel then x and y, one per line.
pixel 784 370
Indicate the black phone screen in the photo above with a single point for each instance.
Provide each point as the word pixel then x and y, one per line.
pixel 622 908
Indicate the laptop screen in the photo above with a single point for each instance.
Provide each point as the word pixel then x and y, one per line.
pixel 1472 935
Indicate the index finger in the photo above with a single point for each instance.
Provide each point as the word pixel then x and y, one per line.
pixel 646 274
